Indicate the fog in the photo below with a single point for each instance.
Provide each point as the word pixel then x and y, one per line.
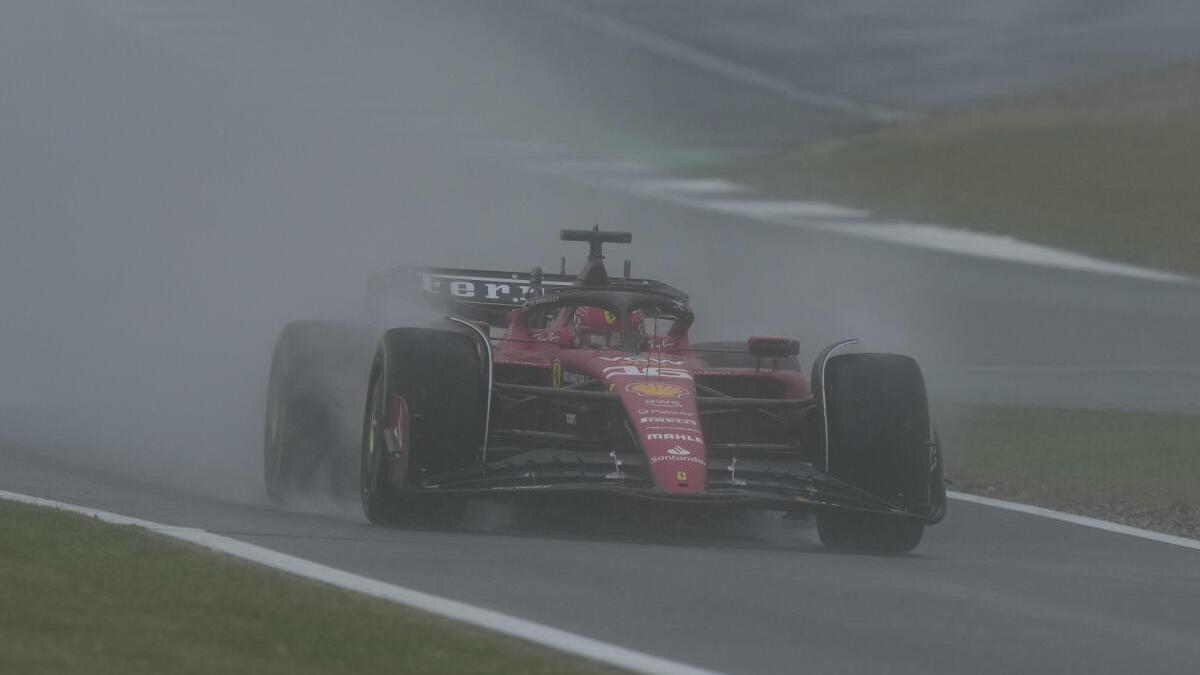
pixel 163 218
pixel 174 187
pixel 161 222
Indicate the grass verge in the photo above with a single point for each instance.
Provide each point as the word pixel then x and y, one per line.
pixel 1140 469
pixel 80 596
pixel 1108 169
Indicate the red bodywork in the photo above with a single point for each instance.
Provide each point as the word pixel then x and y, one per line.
pixel 657 388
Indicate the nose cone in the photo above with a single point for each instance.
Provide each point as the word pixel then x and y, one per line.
pixel 665 418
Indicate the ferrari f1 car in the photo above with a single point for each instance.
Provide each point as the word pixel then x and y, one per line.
pixel 592 387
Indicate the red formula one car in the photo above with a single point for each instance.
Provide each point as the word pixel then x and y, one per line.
pixel 592 388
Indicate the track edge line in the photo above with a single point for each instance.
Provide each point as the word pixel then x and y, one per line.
pixel 1086 521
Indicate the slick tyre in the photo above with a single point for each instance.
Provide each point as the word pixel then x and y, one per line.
pixel 424 415
pixel 311 398
pixel 881 441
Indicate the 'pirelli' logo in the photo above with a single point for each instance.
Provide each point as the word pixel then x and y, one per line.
pixel 667 420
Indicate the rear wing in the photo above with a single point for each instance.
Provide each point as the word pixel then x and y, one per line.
pixel 482 294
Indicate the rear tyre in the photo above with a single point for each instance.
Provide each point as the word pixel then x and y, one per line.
pixel 310 402
pixel 881 440
pixel 424 414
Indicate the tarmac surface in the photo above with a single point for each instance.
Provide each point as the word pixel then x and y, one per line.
pixel 988 591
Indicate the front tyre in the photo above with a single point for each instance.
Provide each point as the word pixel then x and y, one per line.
pixel 424 414
pixel 880 440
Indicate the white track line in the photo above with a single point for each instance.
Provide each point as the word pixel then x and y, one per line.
pixel 1000 247
pixel 1095 523
pixel 686 54
pixel 498 622
pixel 713 195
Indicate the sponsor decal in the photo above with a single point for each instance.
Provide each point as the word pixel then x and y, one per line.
pixel 681 475
pixel 669 458
pixel 582 315
pixel 668 420
pixel 663 402
pixel 519 362
pixel 657 390
pixel 642 359
pixel 571 377
pixel 477 288
pixel 687 438
pixel 537 300
pixel 647 371
pixel 657 411
pixel 664 341
pixel 556 374
pixel 678 450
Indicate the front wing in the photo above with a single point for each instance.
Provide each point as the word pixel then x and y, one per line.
pixel 789 485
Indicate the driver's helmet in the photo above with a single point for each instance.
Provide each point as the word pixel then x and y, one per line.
pixel 599 328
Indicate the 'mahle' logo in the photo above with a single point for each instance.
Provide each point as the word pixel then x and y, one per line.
pixel 687 438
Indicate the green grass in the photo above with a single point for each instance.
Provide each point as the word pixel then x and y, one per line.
pixel 1116 464
pixel 79 596
pixel 1112 169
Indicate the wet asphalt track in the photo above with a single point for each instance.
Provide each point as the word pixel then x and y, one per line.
pixel 987 592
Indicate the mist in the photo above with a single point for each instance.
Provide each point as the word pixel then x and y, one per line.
pixel 162 221
pixel 164 217
pixel 177 183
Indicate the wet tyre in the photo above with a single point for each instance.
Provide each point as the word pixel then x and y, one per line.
pixel 312 399
pixel 880 440
pixel 424 415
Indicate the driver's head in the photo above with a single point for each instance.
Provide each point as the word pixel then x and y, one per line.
pixel 600 328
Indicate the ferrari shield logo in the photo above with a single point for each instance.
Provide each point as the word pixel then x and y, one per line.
pixel 556 377
pixel 681 475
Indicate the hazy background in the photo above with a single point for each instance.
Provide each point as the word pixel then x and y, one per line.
pixel 178 180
